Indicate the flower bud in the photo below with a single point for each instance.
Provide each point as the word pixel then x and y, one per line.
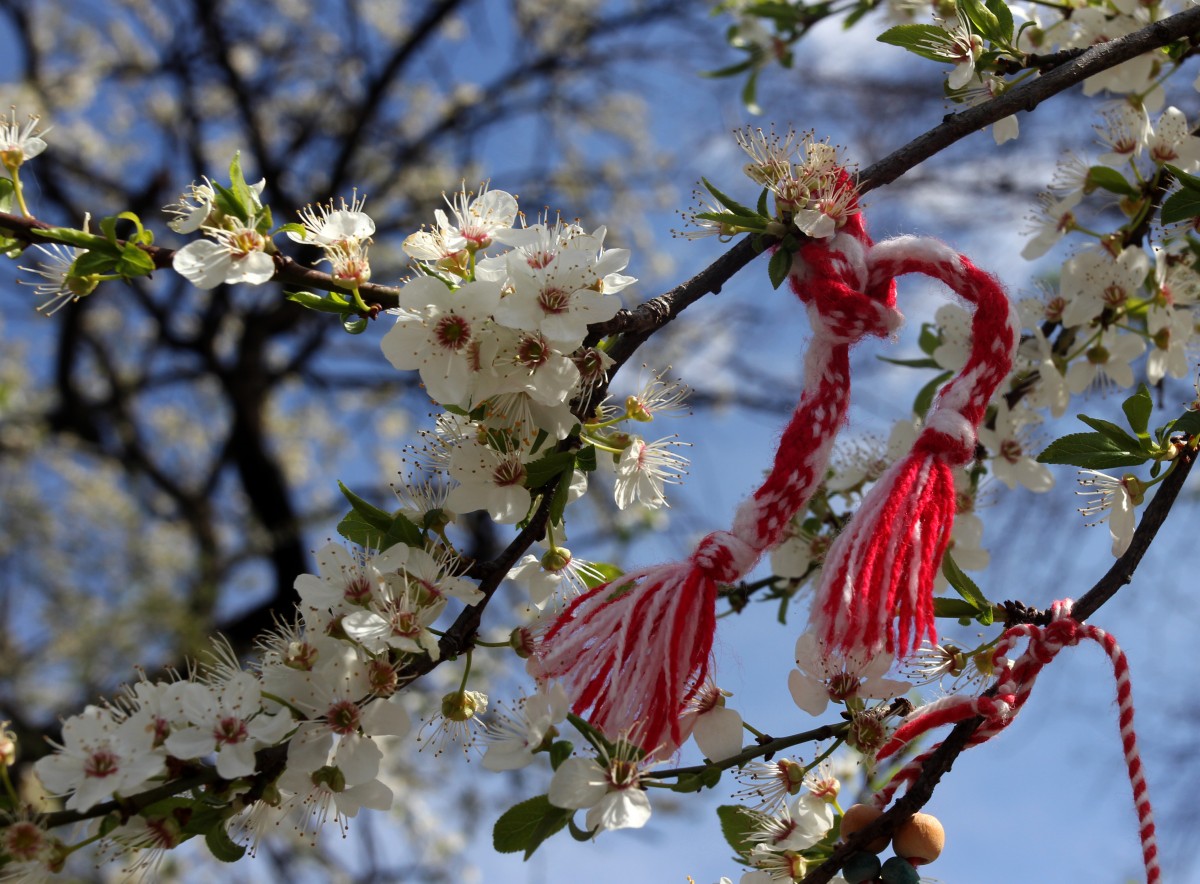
pixel 521 641
pixel 8 745
pixel 556 559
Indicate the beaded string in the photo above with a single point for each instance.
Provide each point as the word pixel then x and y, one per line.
pixel 1001 704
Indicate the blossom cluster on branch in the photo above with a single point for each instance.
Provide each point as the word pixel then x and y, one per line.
pixel 499 320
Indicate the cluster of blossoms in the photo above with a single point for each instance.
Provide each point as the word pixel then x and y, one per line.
pixel 498 338
pixel 293 737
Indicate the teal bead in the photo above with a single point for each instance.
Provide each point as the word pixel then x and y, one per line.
pixel 860 867
pixel 898 870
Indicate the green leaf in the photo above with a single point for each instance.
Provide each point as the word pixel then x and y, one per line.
pixel 752 222
pixel 547 468
pixel 1117 434
pixel 227 201
pixel 369 526
pixel 585 458
pixel 1091 451
pixel 294 227
pixel 927 41
pixel 737 825
pixel 764 209
pixel 910 363
pixel 925 395
pixel 1108 179
pixel 985 21
pixel 133 262
pixel 372 514
pixel 1181 206
pixel 966 588
pixel 929 340
pixel 780 267
pixel 1188 180
pixel 6 195
pixel 331 303
pixel 750 93
pixel 1138 409
pixel 954 608
pixel 731 70
pixel 728 201
pixel 90 263
pixel 558 503
pixel 222 846
pixel 1187 423
pixel 560 751
pixel 608 573
pixel 1004 19
pixel 525 826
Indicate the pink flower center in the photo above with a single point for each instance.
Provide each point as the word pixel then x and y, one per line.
pixel 230 731
pixel 452 332
pixel 357 590
pixel 1010 450
pixel 554 301
pixel 343 717
pixel 1114 295
pixel 101 763
pixel 510 472
pixel 532 351
pixel 24 842
pixel 622 774
pixel 843 686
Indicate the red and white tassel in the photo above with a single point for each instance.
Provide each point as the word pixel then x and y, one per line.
pixel 633 653
pixel 884 563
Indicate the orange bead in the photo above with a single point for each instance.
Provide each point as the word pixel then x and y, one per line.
pixel 920 840
pixel 859 816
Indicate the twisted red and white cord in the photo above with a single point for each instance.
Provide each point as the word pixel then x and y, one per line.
pixel 632 653
pixel 1004 700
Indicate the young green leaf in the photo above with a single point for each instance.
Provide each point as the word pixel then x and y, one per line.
pixel 525 826
pixel 1187 423
pixel 985 21
pixel 222 847
pixel 927 41
pixel 1188 180
pixel 728 201
pixel 1092 451
pixel 955 609
pixel 1113 432
pixel 1138 409
pixel 1107 178
pixel 737 825
pixel 925 395
pixel 1004 22
pixel 966 588
pixel 1181 206
pixel 546 468
pixel 780 267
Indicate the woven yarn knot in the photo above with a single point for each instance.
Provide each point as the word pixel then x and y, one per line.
pixel 951 436
pixel 724 557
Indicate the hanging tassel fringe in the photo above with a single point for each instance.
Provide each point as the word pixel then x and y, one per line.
pixel 633 653
pixel 884 563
